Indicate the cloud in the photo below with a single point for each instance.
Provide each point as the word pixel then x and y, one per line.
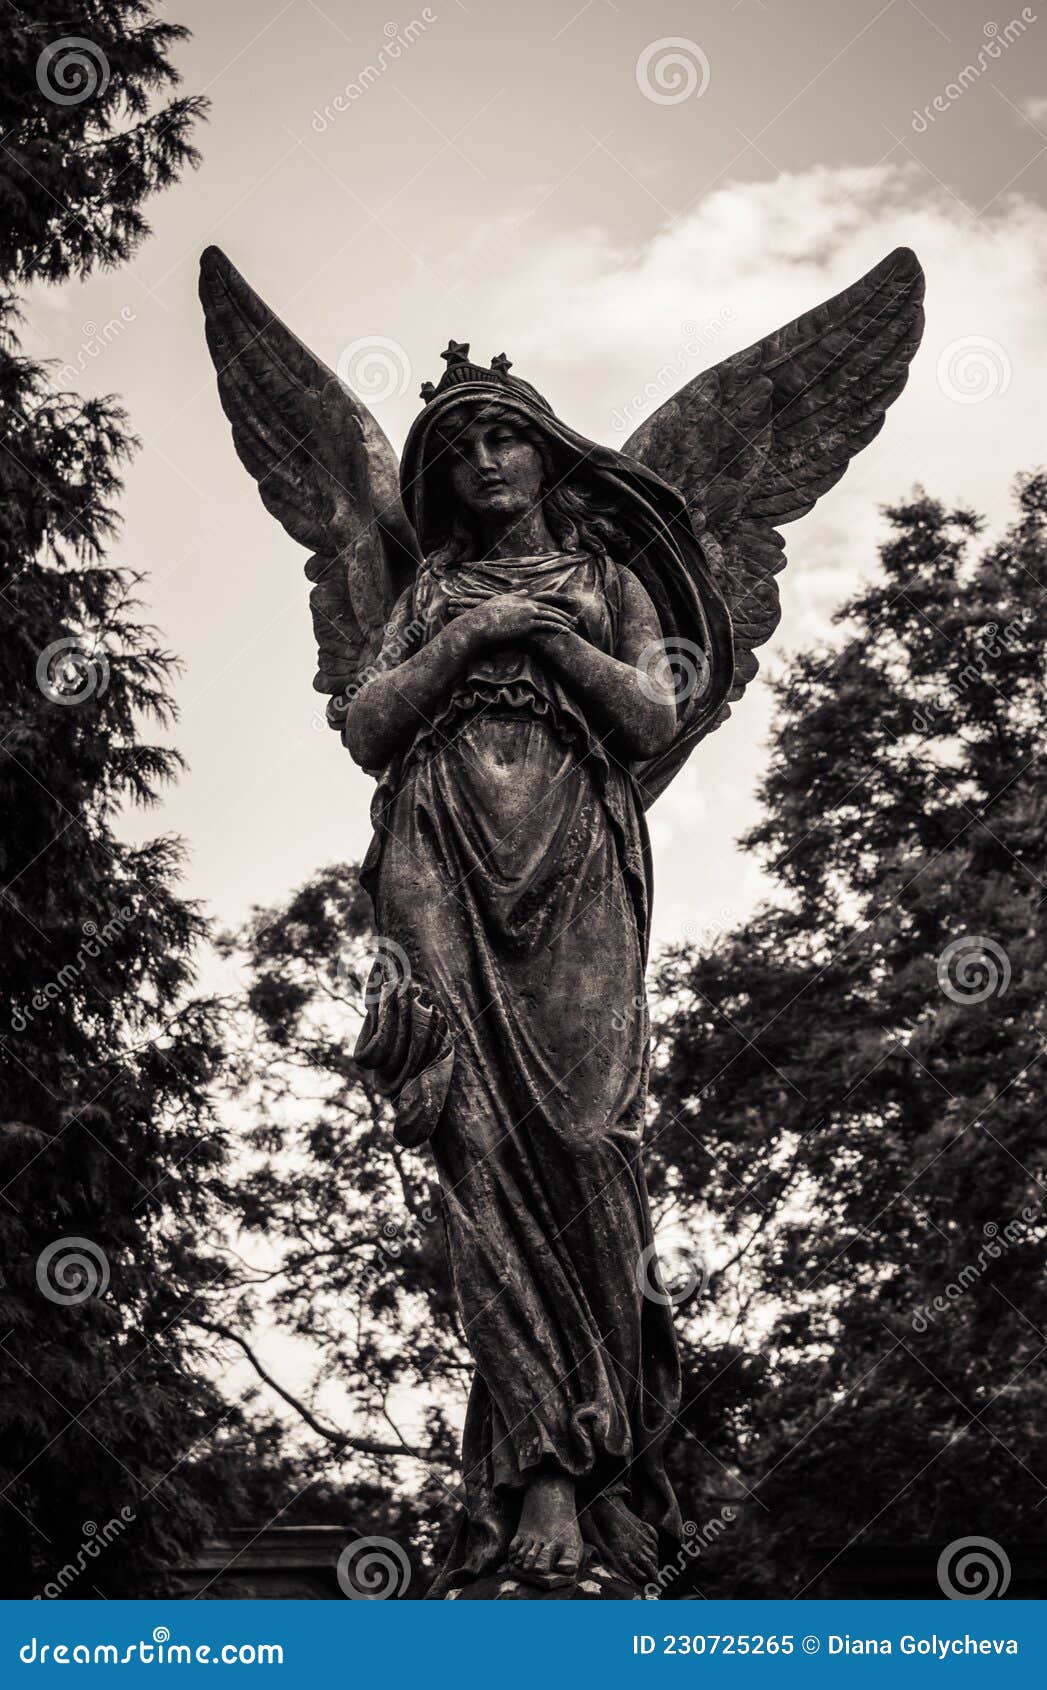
pixel 597 324
pixel 608 332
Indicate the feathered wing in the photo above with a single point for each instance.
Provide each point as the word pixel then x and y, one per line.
pixel 323 466
pixel 757 440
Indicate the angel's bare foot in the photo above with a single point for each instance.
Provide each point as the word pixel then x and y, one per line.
pixel 547 1548
pixel 630 1544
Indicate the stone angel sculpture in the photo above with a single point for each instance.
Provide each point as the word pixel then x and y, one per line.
pixel 524 635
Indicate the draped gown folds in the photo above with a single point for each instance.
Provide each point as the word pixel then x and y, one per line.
pixel 509 868
pixel 510 863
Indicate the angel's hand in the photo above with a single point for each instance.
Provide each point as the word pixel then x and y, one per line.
pixel 511 619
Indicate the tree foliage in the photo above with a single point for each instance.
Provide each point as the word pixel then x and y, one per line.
pixel 846 1109
pixel 111 1430
pixel 347 1223
pixel 852 1082
pixel 83 150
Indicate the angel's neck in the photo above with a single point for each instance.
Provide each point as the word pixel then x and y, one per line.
pixel 520 536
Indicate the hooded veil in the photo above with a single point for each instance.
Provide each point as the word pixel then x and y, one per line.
pixel 662 550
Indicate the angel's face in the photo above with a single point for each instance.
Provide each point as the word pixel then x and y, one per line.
pixel 496 471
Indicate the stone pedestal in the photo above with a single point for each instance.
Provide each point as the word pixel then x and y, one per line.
pixel 281 1563
pixel 596 1584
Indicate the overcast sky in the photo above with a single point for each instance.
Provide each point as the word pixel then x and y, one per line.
pixel 555 181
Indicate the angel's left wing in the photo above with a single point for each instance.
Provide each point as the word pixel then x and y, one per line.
pixel 757 440
pixel 324 468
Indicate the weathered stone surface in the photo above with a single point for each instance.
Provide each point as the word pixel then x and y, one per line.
pixel 524 644
pixel 281 1563
pixel 597 1584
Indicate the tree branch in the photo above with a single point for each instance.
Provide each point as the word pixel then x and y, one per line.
pixel 342 1440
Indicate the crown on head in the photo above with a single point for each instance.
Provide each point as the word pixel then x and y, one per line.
pixel 461 369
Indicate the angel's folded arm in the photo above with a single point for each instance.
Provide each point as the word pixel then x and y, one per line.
pixel 401 697
pixel 627 694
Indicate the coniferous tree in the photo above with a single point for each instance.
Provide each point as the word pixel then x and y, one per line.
pixel 111 1433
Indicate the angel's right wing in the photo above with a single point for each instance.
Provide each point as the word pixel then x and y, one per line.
pixel 324 468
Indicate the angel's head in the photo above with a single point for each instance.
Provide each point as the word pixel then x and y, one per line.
pixel 497 466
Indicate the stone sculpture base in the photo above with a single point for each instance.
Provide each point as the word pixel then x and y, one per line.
pixel 596 1584
pixel 270 1563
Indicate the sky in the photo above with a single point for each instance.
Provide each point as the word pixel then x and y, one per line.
pixel 616 194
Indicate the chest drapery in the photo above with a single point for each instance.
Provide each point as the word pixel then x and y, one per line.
pixel 502 800
pixel 586 587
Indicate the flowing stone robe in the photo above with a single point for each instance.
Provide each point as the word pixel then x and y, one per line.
pixel 510 862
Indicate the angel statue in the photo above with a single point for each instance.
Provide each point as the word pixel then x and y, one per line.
pixel 525 635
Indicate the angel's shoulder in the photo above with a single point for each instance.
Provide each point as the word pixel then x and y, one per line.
pixel 414 616
pixel 629 589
